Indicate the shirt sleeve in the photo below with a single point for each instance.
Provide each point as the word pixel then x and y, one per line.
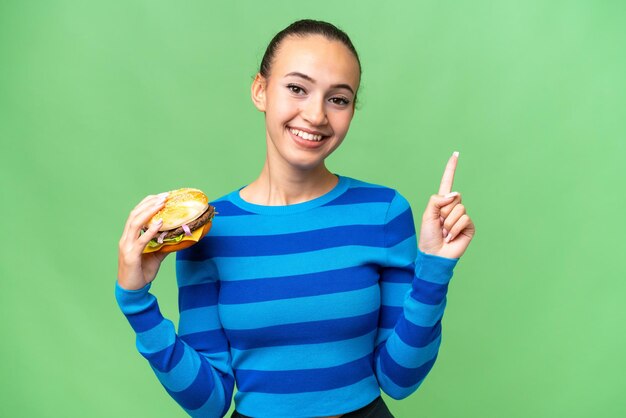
pixel 413 299
pixel 194 365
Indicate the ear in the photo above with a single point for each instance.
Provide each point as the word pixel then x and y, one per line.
pixel 257 92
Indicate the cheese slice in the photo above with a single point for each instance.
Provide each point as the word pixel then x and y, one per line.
pixel 195 236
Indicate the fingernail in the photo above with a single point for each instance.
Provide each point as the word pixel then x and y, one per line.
pixel 164 194
pixel 444 232
pixel 455 153
pixel 448 237
pixel 449 195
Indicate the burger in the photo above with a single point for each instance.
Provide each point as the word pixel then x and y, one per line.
pixel 187 217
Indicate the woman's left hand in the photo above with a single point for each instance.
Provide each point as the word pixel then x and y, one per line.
pixel 446 228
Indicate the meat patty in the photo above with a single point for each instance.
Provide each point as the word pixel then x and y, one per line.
pixel 206 216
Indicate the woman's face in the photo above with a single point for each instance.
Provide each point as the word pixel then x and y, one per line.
pixel 308 99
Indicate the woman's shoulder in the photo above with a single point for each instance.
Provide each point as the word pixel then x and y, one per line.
pixel 363 190
pixel 226 205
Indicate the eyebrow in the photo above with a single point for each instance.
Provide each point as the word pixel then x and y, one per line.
pixel 306 77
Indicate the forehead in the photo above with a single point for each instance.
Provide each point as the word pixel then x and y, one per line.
pixel 318 57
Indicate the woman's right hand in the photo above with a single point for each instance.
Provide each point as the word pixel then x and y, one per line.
pixel 135 269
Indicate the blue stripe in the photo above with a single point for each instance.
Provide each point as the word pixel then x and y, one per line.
pixel 145 320
pixel 156 338
pixel 166 359
pixel 407 356
pixel 403 376
pixel 298 310
pixel 400 228
pixel 347 398
pixel 325 217
pixel 198 392
pixel 393 294
pixel 402 274
pixel 415 335
pixel 313 332
pixel 227 208
pixel 382 335
pixel 290 357
pixel 389 315
pixel 181 376
pixel 325 282
pixel 279 244
pixel 398 205
pixel 196 296
pixel 243 268
pixel 207 342
pixel 295 381
pixel 193 267
pixel 228 383
pixel 218 403
pixel 392 389
pixel 422 314
pixel 133 301
pixel 363 195
pixel 428 292
pixel 198 320
pixel 402 254
pixel 434 268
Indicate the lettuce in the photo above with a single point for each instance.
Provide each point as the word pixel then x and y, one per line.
pixel 153 242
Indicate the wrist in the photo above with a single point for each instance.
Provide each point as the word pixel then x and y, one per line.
pixel 129 278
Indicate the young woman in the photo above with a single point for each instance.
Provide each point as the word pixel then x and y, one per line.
pixel 310 292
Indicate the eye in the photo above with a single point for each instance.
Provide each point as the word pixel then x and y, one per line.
pixel 341 101
pixel 294 88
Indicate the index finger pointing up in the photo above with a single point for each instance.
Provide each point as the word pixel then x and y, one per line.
pixel 448 174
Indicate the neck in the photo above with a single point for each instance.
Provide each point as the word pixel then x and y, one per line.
pixel 283 185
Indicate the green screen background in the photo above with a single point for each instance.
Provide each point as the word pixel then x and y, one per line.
pixel 103 102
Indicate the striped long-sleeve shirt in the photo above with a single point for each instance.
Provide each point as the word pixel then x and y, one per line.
pixel 312 308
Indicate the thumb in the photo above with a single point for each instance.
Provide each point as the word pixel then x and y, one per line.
pixel 436 202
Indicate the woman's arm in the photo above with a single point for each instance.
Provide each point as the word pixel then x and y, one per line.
pixel 194 365
pixel 413 293
pixel 194 371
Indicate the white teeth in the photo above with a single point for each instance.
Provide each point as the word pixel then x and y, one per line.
pixel 306 135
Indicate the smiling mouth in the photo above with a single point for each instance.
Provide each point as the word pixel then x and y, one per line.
pixel 306 135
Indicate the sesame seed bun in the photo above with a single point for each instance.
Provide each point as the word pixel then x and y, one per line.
pixel 185 208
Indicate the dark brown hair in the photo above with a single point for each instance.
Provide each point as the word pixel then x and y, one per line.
pixel 302 28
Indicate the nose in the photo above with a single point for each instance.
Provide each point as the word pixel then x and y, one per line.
pixel 314 112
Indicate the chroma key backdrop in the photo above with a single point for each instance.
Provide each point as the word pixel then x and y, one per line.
pixel 104 102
